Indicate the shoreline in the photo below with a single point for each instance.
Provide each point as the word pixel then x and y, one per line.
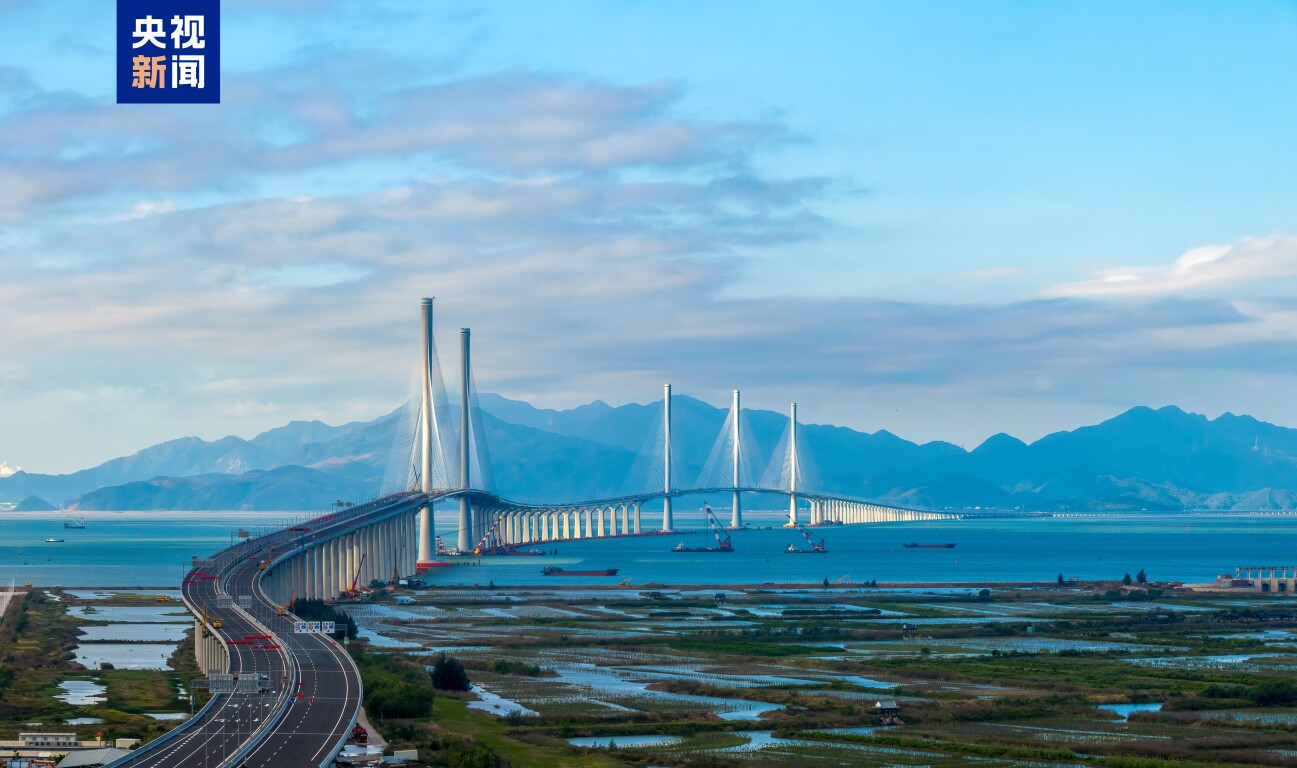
pixel 658 586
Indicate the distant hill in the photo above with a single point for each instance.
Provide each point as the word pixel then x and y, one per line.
pixel 282 489
pixel 34 504
pixel 1163 459
pixel 181 457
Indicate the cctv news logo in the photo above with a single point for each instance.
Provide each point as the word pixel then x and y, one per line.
pixel 168 51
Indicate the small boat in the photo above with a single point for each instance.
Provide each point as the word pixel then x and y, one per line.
pixel 52 540
pixel 915 545
pixel 552 570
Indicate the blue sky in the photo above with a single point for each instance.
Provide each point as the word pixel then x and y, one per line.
pixel 941 219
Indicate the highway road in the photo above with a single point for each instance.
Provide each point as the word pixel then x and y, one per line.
pixel 314 691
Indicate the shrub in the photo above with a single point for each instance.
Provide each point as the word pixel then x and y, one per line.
pixel 448 674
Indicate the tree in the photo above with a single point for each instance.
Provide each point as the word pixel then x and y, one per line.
pixel 1126 579
pixel 1060 579
pixel 1141 577
pixel 448 674
pixel 984 595
pixel 826 582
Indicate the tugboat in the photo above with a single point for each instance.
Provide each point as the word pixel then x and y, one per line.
pixel 714 527
pixel 553 570
pixel 914 545
pixel 816 542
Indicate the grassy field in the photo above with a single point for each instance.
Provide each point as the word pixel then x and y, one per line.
pixel 36 641
pixel 1013 678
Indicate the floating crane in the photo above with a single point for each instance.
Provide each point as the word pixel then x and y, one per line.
pixel 816 542
pixel 715 528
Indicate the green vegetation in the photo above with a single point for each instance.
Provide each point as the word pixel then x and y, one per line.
pixel 738 646
pixel 1020 687
pixel 448 674
pixel 36 641
pixel 511 667
pixel 318 610
pixel 395 686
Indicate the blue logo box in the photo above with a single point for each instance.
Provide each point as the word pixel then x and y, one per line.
pixel 168 51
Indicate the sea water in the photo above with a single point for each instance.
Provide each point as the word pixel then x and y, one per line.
pixel 154 549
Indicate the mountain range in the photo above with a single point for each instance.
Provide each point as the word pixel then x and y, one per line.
pixel 1143 459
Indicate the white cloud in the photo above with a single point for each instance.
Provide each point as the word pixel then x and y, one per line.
pixel 150 208
pixel 1251 260
pixel 6 470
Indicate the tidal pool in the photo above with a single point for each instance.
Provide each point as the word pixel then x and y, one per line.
pixel 104 594
pixel 139 614
pixel 618 682
pixel 495 704
pixel 1126 710
pixel 125 655
pixel 617 742
pixel 145 633
pixel 81 692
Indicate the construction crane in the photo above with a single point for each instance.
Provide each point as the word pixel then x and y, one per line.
pixel 350 594
pixel 816 542
pixel 282 610
pixel 215 622
pixel 844 578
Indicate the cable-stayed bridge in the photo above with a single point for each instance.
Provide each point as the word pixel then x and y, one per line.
pixel 443 452
pixel 282 696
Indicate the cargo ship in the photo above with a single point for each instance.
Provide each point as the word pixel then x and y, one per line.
pixel 915 545
pixel 553 570
pixel 75 524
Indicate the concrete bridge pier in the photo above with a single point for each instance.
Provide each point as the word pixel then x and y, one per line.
pixel 209 651
pixel 314 573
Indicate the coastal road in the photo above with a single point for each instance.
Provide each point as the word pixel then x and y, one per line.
pixel 314 690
